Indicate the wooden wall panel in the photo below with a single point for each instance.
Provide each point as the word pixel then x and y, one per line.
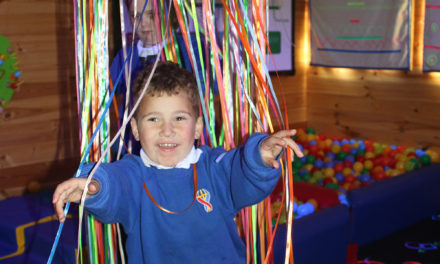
pixel 38 129
pixel 293 88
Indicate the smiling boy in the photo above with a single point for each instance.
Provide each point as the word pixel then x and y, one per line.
pixel 177 203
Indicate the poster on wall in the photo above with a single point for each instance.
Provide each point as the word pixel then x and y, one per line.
pixel 431 45
pixel 281 36
pixel 372 34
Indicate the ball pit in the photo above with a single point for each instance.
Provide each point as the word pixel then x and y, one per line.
pixel 344 164
pixel 332 166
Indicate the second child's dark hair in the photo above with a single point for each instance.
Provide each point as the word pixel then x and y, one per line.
pixel 168 78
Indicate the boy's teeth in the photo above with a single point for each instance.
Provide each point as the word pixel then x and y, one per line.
pixel 167 145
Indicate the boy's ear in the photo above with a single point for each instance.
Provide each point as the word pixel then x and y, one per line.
pixel 199 128
pixel 134 128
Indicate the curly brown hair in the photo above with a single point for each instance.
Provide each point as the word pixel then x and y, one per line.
pixel 170 79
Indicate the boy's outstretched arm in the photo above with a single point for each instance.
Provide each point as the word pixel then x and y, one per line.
pixel 71 191
pixel 272 146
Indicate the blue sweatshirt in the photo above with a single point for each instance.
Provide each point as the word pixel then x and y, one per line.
pixel 206 233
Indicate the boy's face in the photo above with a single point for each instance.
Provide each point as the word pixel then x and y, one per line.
pixel 166 127
pixel 146 30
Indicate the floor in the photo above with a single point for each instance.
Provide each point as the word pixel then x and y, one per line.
pixel 416 244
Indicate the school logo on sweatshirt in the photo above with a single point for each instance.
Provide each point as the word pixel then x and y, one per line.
pixel 203 197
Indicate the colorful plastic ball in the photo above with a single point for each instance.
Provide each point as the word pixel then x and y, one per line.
pixel 313 148
pixel 311 137
pixel 346 148
pixel 297 163
pixel 388 161
pixel 302 137
pixel 360 152
pixel 310 159
pixel 420 153
pixel 356 144
pixel 339 166
pixel 305 209
pixel 295 171
pixel 328 159
pixel 329 172
pixel 335 148
pixel 343 199
pixel 360 158
pixel 364 177
pixel 388 172
pixel 339 177
pixel 332 185
pixel 425 159
pixel 358 166
pixel 341 155
pixel 313 180
pixel 378 150
pixel 306 176
pixel 353 151
pixel 369 155
pixel 314 169
pixel 33 186
pixel 349 178
pixel 434 155
pixel 347 171
pixel 369 148
pixel 322 145
pixel 296 178
pixel 330 155
pixel 350 158
pixel 319 163
pixel 329 164
pixel 400 149
pixel 322 137
pixel 318 175
pixel 400 165
pixel 313 202
pixel 336 142
pixel 328 142
pixel 379 175
pixel 409 166
pixel 308 167
pixel 394 173
pixel 408 150
pixel 313 142
pixel 368 164
pixel 348 163
pixel 301 172
pixel 1 62
pixel 17 74
pixel 416 163
pixel 377 168
pixel 412 154
pixel 310 130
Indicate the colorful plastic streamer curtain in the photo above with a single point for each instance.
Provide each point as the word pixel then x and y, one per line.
pixel 92 70
pixel 224 44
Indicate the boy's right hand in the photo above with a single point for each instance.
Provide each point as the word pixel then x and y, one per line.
pixel 71 191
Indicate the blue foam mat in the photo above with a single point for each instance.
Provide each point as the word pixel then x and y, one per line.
pixel 24 213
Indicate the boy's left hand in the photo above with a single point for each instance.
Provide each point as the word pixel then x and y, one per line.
pixel 272 146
